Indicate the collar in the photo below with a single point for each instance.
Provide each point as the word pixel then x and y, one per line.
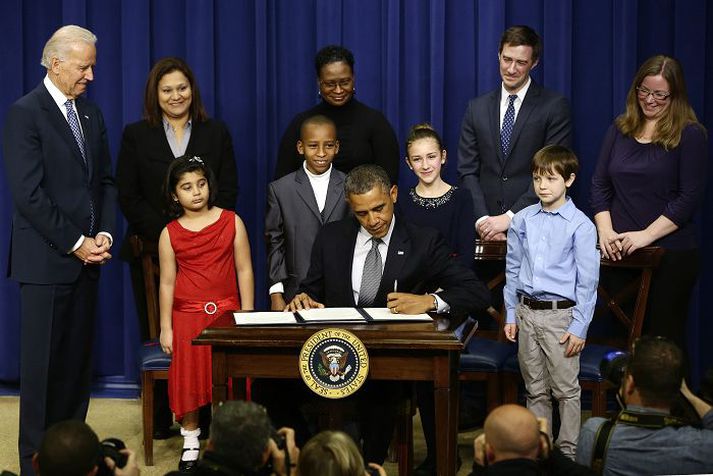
pixel 57 95
pixel 566 211
pixel 167 125
pixel 520 94
pixel 363 236
pixel 323 176
pixel 643 409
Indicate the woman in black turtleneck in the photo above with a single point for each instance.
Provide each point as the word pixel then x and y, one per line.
pixel 365 136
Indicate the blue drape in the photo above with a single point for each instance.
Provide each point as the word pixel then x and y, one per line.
pixel 416 60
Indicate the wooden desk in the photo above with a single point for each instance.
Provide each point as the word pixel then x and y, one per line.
pixel 408 351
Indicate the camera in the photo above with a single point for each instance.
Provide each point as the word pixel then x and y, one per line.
pixel 281 443
pixel 613 366
pixel 111 448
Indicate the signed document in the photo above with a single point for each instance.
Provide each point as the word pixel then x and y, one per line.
pixel 264 318
pixel 332 314
pixel 383 314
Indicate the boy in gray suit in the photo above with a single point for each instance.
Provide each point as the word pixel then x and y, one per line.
pixel 298 205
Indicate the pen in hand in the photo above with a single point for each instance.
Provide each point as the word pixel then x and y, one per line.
pixel 396 285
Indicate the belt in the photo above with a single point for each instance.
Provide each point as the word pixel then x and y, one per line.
pixel 546 305
pixel 207 307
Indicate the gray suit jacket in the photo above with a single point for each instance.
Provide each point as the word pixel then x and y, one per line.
pixel 498 183
pixel 292 222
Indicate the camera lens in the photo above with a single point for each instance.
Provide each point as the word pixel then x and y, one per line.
pixel 613 366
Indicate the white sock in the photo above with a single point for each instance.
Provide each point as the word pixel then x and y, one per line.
pixel 190 440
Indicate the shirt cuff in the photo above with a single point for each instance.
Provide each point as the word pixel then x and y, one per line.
pixel 76 246
pixel 277 288
pixel 443 307
pixel 510 214
pixel 108 235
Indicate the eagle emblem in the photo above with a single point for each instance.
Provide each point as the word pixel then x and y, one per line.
pixel 334 361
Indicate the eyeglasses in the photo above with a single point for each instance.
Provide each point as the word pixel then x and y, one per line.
pixel 644 92
pixel 345 83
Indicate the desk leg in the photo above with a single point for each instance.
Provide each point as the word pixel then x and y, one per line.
pixel 446 398
pixel 220 378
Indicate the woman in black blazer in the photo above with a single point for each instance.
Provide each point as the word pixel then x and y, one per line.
pixel 175 123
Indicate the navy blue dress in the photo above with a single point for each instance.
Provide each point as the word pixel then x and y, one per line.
pixel 451 214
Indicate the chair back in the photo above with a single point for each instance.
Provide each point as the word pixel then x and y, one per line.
pixel 147 252
pixel 645 261
pixel 493 251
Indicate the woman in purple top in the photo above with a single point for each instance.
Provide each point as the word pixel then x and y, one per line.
pixel 649 182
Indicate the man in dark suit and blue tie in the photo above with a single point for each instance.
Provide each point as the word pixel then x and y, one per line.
pixel 503 129
pixel 59 172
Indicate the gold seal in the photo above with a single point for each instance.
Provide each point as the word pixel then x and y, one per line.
pixel 334 363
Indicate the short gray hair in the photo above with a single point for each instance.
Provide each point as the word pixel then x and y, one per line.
pixel 61 42
pixel 364 178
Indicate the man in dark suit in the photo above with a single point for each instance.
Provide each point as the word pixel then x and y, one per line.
pixel 298 205
pixel 59 173
pixel 501 132
pixel 358 262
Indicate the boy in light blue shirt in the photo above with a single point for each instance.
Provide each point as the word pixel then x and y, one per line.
pixel 552 271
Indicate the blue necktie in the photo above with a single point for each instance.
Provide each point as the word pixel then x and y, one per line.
pixel 508 124
pixel 371 276
pixel 77 132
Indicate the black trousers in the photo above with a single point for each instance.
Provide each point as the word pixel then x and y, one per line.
pixel 57 327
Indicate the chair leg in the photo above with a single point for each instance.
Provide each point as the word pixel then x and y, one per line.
pixel 599 400
pixel 147 382
pixel 493 395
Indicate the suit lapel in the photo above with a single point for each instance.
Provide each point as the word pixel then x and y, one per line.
pixel 532 99
pixel 59 122
pixel 399 251
pixel 334 194
pixel 494 115
pixel 304 190
pixel 87 130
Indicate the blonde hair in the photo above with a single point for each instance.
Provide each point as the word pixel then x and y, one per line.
pixel 330 453
pixel 61 42
pixel 679 113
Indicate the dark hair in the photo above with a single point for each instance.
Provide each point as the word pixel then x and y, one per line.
pixel 330 453
pixel 69 448
pixel 152 110
pixel 423 131
pixel 180 166
pixel 522 35
pixel 239 433
pixel 333 54
pixel 679 114
pixel 657 368
pixel 364 178
pixel 317 120
pixel 555 158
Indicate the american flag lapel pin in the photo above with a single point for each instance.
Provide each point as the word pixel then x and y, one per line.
pixel 400 252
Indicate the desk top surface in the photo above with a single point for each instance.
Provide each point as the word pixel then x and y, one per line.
pixel 436 335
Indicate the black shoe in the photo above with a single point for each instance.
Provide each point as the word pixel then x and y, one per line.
pixel 164 433
pixel 188 466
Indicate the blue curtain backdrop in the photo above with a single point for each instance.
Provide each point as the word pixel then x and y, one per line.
pixel 416 60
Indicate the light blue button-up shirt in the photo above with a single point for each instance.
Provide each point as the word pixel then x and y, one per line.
pixel 552 255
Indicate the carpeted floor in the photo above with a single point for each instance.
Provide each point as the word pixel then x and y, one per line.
pixel 122 419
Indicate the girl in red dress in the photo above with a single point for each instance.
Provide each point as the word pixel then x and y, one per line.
pixel 201 253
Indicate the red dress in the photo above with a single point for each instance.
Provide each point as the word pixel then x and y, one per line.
pixel 206 286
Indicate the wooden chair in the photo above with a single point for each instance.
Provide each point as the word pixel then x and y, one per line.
pixel 485 354
pixel 645 261
pixel 154 362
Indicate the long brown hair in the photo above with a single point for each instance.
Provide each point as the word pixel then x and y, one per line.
pixel 152 111
pixel 679 113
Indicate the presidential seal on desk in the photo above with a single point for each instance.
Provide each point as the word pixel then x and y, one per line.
pixel 334 363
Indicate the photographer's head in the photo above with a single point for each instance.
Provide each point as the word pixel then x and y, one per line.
pixel 511 432
pixel 654 373
pixel 69 448
pixel 239 434
pixel 330 453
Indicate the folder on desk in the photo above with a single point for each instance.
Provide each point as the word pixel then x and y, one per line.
pixel 333 315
